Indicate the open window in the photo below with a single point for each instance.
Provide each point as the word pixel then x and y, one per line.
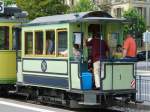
pixel 50 42
pixel 62 42
pixel 38 42
pixel 17 38
pixel 4 38
pixel 28 43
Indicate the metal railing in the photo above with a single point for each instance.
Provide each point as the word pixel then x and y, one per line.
pixel 143 88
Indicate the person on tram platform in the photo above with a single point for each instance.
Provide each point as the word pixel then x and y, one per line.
pixel 129 47
pixel 99 51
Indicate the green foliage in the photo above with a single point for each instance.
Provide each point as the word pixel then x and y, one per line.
pixel 9 2
pixel 105 6
pixel 38 8
pixel 137 25
pixel 83 6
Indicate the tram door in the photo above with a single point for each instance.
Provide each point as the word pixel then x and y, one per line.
pixel 93 29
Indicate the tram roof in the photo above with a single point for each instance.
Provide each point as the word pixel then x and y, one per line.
pixel 73 17
pixel 9 20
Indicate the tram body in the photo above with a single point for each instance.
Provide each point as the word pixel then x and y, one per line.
pixel 55 78
pixel 7 54
pixel 8 44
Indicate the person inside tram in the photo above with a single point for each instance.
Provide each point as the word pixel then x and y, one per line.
pixel 99 51
pixel 76 52
pixel 118 52
pixel 50 45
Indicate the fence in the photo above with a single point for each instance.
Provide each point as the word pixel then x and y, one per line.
pixel 143 88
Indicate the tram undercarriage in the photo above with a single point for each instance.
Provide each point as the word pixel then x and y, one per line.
pixel 75 98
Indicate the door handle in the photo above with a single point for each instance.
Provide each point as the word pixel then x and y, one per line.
pixel 120 76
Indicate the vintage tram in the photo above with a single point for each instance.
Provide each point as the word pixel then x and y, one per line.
pixel 52 77
pixel 8 23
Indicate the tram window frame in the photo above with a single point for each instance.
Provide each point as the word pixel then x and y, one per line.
pixel 53 52
pixel 65 51
pixel 26 51
pixel 39 43
pixel 4 41
pixel 16 34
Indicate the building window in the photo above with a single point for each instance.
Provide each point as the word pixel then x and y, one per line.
pixel 140 10
pixel 28 43
pixel 119 14
pixel 71 2
pixel 145 14
pixel 38 42
pixel 50 42
pixel 94 1
pixel 4 37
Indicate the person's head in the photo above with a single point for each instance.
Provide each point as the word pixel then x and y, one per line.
pixel 118 48
pixel 76 46
pixel 96 35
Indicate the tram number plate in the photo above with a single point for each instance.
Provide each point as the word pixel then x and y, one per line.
pixel 1 7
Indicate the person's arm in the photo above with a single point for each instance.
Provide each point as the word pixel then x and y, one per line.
pixel 64 53
pixel 124 53
pixel 89 42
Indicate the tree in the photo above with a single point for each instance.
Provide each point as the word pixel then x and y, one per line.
pixel 83 6
pixel 105 6
pixel 37 8
pixel 9 2
pixel 137 24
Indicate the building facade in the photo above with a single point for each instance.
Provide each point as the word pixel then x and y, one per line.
pixel 119 6
pixel 71 2
pixel 142 6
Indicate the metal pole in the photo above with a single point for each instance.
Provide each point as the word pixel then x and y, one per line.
pixel 146 55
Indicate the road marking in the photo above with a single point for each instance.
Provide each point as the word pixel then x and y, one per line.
pixel 24 107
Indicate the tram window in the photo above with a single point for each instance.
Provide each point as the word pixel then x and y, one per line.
pixel 17 38
pixel 39 42
pixel 62 41
pixel 4 37
pixel 28 43
pixel 50 42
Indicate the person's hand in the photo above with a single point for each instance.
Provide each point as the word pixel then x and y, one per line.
pixel 84 42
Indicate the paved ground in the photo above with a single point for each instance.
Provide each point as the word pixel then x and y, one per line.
pixel 7 105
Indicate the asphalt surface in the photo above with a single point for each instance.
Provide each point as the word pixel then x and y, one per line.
pixel 12 105
pixel 9 105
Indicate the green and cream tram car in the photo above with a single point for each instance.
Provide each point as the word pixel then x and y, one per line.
pixel 8 48
pixel 53 77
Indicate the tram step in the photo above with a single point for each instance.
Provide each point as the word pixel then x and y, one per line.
pixel 88 103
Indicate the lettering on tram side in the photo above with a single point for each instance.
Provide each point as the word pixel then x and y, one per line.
pixel 1 7
pixel 43 66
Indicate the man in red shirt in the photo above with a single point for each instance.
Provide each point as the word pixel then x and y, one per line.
pixel 99 51
pixel 129 47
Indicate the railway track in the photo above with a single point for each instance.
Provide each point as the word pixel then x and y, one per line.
pixel 129 107
pixel 24 98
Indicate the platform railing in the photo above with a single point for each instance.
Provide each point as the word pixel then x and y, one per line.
pixel 143 88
